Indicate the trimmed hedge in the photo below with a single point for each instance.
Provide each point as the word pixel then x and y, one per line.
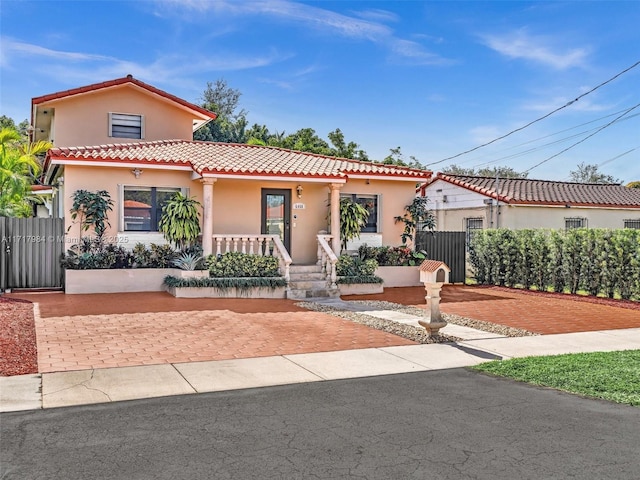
pixel 597 261
pixel 222 283
pixel 236 264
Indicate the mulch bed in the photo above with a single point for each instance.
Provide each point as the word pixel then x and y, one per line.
pixel 18 353
pixel 611 302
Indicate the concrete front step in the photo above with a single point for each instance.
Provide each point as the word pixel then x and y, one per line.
pixel 308 284
pixel 304 277
pixel 305 268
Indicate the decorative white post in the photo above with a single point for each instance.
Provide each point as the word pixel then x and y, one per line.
pixel 335 217
pixel 207 218
pixel 433 274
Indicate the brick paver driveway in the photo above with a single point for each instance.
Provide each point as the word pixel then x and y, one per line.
pixel 76 332
pixel 539 313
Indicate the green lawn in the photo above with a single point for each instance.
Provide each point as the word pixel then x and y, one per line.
pixel 613 376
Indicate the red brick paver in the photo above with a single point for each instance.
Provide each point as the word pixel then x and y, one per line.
pixel 76 332
pixel 544 314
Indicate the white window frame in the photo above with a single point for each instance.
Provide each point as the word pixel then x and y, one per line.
pixel 121 190
pixel 121 119
pixel 378 199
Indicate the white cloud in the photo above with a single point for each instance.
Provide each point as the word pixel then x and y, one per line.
pixel 10 46
pixel 540 49
pixel 368 27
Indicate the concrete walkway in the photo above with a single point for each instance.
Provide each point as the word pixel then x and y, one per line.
pixel 90 386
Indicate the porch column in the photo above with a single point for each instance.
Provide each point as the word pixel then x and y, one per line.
pixel 335 216
pixel 207 218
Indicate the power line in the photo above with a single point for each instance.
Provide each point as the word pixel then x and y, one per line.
pixel 538 119
pixel 585 138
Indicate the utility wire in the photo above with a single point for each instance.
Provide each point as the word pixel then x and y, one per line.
pixel 585 138
pixel 538 119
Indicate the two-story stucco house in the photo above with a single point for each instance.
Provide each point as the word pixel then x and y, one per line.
pixel 135 141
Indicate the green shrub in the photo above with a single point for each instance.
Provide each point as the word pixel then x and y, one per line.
pixel 356 270
pixel 223 283
pixel 597 261
pixel 236 264
pixel 392 256
pixel 93 254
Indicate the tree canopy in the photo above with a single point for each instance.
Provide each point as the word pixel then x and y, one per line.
pixel 502 172
pixel 588 173
pixel 19 167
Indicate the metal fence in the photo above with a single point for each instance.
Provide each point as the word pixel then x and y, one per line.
pixel 30 252
pixel 448 247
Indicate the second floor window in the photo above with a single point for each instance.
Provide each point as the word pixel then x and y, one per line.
pixel 125 125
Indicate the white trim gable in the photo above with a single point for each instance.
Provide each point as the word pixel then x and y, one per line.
pixel 446 196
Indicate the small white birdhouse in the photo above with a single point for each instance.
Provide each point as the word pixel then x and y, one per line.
pixel 434 271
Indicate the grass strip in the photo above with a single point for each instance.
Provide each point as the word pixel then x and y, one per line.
pixel 613 376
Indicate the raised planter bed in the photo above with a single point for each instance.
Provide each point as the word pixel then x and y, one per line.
pixel 360 288
pixel 231 292
pixel 123 280
pixel 400 276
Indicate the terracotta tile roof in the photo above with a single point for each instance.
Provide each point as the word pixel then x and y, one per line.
pixel 210 158
pixel 121 81
pixel 546 192
pixel 433 265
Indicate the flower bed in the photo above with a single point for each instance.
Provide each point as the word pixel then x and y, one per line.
pixel 246 287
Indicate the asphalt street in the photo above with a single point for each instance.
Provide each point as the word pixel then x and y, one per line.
pixel 446 424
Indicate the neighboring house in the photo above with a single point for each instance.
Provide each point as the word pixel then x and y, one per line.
pixel 467 203
pixel 135 141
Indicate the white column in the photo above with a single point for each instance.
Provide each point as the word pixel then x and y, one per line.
pixel 207 219
pixel 335 216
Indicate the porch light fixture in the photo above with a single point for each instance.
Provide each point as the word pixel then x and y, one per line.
pixel 299 190
pixel 136 172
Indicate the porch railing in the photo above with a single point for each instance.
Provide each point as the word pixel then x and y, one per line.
pixel 327 259
pixel 264 245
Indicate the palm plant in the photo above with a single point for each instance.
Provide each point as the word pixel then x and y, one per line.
pixel 180 221
pixel 353 217
pixel 18 167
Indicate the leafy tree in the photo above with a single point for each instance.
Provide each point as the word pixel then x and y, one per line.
pixel 343 149
pixel 396 157
pixel 19 167
pixel 8 122
pixel 501 172
pixel 417 215
pixel 635 184
pixel 230 125
pixel 91 208
pixel 587 173
pixel 180 221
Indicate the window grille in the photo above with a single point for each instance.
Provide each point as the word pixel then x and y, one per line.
pixel 575 222
pixel 632 223
pixel 472 225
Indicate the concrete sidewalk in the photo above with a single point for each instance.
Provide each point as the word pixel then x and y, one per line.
pixel 80 387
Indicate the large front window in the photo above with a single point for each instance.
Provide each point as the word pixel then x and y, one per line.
pixel 370 202
pixel 143 207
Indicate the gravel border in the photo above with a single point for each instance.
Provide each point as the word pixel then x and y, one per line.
pixel 417 334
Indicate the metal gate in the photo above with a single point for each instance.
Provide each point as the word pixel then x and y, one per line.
pixel 30 252
pixel 448 247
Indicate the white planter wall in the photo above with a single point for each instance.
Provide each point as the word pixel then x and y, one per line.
pixel 399 276
pixel 123 280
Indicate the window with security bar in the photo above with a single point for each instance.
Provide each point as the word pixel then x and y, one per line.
pixel 472 225
pixel 575 222
pixel 632 224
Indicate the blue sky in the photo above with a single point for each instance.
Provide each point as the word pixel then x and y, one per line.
pixel 434 78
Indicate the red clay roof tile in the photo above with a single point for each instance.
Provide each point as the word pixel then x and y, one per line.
pixel 520 191
pixel 234 159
